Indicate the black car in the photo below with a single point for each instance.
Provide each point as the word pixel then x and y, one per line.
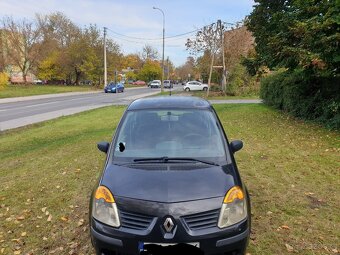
pixel 170 184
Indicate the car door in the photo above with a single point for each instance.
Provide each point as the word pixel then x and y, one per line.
pixel 196 85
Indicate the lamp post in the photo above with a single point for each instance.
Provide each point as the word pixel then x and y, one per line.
pixel 162 84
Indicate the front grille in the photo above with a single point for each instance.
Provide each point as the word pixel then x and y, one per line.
pixel 135 221
pixel 202 220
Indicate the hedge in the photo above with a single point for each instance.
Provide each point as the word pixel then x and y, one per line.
pixel 305 95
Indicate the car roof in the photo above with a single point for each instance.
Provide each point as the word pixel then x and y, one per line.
pixel 169 102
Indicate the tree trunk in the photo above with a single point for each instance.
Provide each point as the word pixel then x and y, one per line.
pixel 78 73
pixel 210 73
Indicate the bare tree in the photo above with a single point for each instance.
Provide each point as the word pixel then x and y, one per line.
pixel 149 53
pixel 207 39
pixel 24 40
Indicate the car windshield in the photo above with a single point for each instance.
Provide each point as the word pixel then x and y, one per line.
pixel 188 133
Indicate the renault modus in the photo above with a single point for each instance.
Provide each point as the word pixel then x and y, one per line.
pixel 170 183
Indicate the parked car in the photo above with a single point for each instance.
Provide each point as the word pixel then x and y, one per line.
pixel 140 83
pixel 37 81
pixel 195 85
pixel 167 84
pixel 170 179
pixel 155 84
pixel 114 88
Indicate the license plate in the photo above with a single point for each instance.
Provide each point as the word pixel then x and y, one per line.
pixel 195 244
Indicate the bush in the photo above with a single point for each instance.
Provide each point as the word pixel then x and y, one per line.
pixel 241 83
pixel 304 94
pixel 3 80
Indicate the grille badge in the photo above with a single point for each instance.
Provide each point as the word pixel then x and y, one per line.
pixel 168 224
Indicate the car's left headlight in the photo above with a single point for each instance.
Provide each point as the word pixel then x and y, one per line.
pixel 104 208
pixel 234 208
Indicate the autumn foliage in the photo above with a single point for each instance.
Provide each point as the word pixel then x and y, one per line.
pixel 302 37
pixel 3 80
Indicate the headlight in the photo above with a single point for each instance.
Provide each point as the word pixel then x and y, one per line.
pixel 234 208
pixel 104 208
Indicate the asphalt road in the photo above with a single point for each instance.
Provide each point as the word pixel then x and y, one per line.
pixel 24 111
pixel 18 112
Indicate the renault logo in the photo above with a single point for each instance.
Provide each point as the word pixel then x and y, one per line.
pixel 168 224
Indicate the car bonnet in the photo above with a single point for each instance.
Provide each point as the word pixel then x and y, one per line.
pixel 167 186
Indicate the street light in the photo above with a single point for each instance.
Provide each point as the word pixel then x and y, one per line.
pixel 162 84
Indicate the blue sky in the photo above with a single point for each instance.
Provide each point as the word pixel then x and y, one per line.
pixel 137 18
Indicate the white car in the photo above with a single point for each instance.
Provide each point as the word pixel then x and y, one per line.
pixel 195 85
pixel 37 81
pixel 155 84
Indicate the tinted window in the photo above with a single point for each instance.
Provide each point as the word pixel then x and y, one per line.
pixel 171 133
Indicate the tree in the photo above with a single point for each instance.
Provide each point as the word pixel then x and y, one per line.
pixel 187 70
pixel 207 39
pixel 297 33
pixel 24 43
pixel 149 53
pixel 238 43
pixel 151 70
pixel 132 61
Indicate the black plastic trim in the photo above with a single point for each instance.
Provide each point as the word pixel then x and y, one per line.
pixel 233 239
pixel 106 239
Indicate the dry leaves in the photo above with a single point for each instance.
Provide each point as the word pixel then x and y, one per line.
pixel 289 248
pixel 80 222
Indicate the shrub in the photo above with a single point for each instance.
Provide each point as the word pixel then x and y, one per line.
pixel 241 83
pixel 305 95
pixel 3 80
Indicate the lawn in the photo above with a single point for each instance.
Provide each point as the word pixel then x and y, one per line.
pixel 203 94
pixel 291 169
pixel 31 90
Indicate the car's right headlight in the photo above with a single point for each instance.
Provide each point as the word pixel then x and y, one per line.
pixel 234 208
pixel 104 208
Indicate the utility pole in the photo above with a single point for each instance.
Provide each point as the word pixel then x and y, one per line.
pixel 224 79
pixel 168 64
pixel 105 71
pixel 162 82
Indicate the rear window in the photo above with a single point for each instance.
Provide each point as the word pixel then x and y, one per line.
pixel 170 133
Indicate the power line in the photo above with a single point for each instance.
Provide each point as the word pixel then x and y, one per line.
pixel 153 39
pixel 167 37
pixel 140 42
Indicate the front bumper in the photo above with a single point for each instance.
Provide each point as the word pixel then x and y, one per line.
pixel 211 243
pixel 211 239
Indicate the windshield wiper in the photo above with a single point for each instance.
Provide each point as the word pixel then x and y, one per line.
pixel 166 159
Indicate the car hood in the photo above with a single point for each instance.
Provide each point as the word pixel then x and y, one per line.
pixel 168 186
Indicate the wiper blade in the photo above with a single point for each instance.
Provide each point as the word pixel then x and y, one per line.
pixel 166 159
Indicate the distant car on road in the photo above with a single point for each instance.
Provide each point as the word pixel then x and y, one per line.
pixel 37 81
pixel 168 84
pixel 142 83
pixel 114 88
pixel 195 85
pixel 155 84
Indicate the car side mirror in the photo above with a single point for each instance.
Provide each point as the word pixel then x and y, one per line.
pixel 236 145
pixel 103 146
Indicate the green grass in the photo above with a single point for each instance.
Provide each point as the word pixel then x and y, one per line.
pixel 31 90
pixel 202 94
pixel 219 96
pixel 291 169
